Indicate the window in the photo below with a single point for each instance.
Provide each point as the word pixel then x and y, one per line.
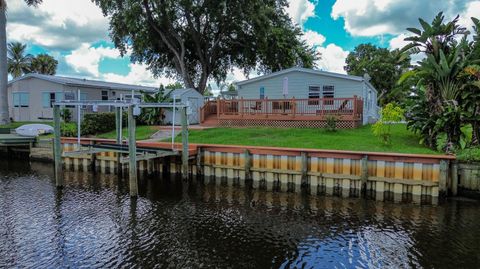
pixel 48 98
pixel 313 93
pixel 328 93
pixel 70 96
pixel 21 99
pixel 83 97
pixel 104 95
pixel 262 92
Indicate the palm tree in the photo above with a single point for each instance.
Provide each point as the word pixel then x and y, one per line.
pixel 44 64
pixel 4 117
pixel 18 62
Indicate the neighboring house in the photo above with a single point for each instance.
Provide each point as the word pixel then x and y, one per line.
pixel 302 83
pixel 192 98
pixel 296 98
pixel 30 97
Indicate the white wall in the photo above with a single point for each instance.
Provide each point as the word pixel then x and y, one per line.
pixel 36 87
pixel 298 83
pixel 196 102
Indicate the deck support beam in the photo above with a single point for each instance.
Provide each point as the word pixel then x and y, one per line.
pixel 184 143
pixel 132 148
pixel 57 147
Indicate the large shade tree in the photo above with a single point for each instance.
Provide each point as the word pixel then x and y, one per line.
pixel 197 40
pixel 44 64
pixel 18 61
pixel 383 66
pixel 4 117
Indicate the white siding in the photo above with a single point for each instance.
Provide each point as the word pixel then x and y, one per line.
pixel 195 99
pixel 37 87
pixel 298 83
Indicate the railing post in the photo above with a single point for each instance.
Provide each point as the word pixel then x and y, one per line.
pixel 241 106
pixel 266 106
pixel 294 109
pixel 354 107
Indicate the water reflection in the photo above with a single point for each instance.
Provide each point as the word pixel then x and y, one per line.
pixel 93 222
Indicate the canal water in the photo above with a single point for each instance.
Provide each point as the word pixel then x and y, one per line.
pixel 93 223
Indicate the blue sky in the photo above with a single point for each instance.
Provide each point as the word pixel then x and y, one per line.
pixel 76 33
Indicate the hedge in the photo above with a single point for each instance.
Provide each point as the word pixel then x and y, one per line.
pixel 97 123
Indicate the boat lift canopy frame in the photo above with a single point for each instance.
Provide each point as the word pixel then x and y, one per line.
pixel 132 148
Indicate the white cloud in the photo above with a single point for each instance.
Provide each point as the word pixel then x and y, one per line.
pixel 300 10
pixel 86 59
pixel 313 38
pixel 398 42
pixel 377 17
pixel 138 75
pixel 472 10
pixel 333 58
pixel 56 24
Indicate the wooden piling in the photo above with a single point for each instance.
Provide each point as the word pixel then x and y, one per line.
pixel 454 178
pixel 184 143
pixel 57 147
pixel 118 127
pixel 304 168
pixel 443 176
pixel 248 164
pixel 132 153
pixel 364 173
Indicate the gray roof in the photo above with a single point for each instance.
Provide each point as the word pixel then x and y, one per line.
pixel 78 82
pixel 310 71
pixel 300 69
pixel 180 92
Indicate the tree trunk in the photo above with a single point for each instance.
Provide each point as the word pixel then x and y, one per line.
pixel 4 116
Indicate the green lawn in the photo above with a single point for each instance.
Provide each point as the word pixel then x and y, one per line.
pixel 142 133
pixel 14 125
pixel 360 139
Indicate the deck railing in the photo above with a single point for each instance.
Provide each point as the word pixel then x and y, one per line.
pixel 209 108
pixel 285 109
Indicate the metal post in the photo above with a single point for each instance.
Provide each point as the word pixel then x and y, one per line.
pixel 132 153
pixel 57 147
pixel 78 120
pixel 184 143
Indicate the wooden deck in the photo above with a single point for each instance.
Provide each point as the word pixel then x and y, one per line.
pixel 283 112
pixel 15 140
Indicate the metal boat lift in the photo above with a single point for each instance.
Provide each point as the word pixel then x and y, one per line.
pixel 134 153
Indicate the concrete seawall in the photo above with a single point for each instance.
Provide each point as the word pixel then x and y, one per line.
pixel 383 176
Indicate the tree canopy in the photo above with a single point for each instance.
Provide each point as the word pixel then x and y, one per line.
pixel 447 103
pixel 196 40
pixel 383 66
pixel 44 64
pixel 19 62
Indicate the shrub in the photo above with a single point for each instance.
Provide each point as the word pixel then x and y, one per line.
pixel 96 123
pixel 331 123
pixel 469 155
pixel 68 130
pixel 66 114
pixel 391 113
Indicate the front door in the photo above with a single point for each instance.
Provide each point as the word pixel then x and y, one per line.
pixel 193 118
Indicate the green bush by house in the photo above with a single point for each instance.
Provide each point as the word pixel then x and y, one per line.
pixel 96 123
